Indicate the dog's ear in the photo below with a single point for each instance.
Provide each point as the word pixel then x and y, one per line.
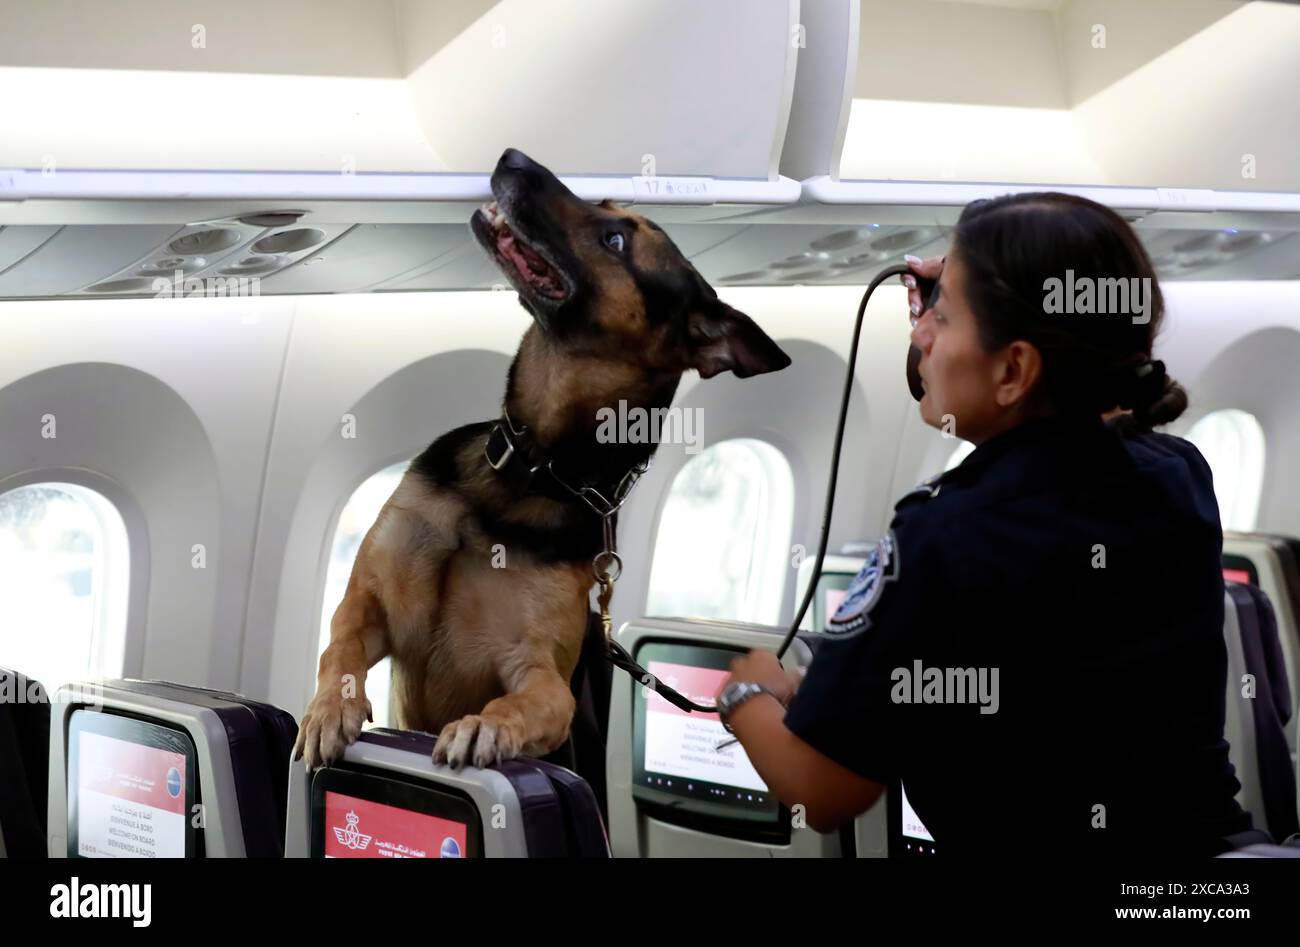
pixel 723 339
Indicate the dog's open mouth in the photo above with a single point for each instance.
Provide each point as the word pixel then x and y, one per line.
pixel 528 265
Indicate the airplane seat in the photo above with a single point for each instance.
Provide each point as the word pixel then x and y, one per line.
pixel 152 768
pixel 1261 850
pixel 279 730
pixel 386 799
pixel 672 791
pixel 1255 721
pixel 1270 563
pixel 24 761
pixel 1288 551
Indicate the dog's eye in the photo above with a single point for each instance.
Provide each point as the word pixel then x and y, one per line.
pixel 615 241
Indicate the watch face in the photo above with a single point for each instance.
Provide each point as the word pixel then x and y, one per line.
pixel 735 694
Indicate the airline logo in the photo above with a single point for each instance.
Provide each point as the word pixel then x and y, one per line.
pixel 390 831
pixel 351 837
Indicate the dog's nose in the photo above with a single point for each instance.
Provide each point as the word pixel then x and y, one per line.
pixel 516 160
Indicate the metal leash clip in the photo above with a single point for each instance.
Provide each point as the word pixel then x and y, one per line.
pixel 607 559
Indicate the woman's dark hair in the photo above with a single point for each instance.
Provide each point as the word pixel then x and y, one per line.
pixel 1025 255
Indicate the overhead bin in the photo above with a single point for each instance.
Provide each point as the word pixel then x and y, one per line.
pixel 776 142
pixel 368 161
pixel 890 149
pixel 670 88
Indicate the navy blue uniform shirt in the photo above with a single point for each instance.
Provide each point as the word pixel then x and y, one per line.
pixel 1036 650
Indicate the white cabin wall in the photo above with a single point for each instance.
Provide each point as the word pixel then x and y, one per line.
pixel 1235 345
pixel 164 406
pixel 220 422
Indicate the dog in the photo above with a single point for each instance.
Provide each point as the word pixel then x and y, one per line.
pixel 476 575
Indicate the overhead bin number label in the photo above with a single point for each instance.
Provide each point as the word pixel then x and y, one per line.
pixel 646 186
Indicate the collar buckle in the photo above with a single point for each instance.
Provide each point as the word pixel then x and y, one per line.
pixel 496 440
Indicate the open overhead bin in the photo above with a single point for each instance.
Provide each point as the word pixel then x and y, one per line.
pixel 911 111
pixel 342 145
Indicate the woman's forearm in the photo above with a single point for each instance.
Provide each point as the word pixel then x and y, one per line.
pixel 796 773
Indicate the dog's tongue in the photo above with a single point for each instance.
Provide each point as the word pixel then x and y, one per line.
pixel 532 268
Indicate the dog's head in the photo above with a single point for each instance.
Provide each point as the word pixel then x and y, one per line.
pixel 602 278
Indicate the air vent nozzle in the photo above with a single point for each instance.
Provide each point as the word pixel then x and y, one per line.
pixel 281 218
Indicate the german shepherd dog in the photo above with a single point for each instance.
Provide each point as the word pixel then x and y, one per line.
pixel 477 573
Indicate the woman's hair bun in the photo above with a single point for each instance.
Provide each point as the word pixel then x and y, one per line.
pixel 1152 397
pixel 1167 406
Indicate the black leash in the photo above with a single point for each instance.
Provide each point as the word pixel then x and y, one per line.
pixel 502 443
pixel 849 373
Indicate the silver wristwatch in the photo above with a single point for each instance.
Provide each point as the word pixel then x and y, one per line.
pixel 735 694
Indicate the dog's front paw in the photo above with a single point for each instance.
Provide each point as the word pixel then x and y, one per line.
pixel 480 740
pixel 332 724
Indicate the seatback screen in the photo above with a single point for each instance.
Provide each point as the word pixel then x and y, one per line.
pixel 132 788
pixel 1239 569
pixel 677 763
pixel 908 835
pixel 371 813
pixel 913 828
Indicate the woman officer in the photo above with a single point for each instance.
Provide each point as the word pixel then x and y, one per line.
pixel 1036 649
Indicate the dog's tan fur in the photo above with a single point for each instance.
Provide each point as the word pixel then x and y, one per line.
pixel 483 650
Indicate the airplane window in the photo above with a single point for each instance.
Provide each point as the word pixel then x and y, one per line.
pixel 960 453
pixel 722 549
pixel 1233 444
pixel 358 516
pixel 64 577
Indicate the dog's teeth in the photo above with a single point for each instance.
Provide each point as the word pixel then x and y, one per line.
pixel 494 214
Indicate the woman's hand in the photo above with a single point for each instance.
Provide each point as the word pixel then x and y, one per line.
pixel 927 269
pixel 762 667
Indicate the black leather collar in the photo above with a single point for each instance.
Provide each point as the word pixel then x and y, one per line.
pixel 512 453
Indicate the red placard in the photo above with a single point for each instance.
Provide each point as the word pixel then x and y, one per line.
pixel 132 772
pixel 360 828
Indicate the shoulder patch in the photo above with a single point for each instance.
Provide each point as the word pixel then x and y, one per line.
pixel 865 591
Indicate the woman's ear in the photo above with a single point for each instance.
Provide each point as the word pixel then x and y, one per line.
pixel 1020 367
pixel 723 338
